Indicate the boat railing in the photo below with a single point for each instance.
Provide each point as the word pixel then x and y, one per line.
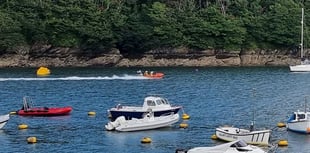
pixel 27 103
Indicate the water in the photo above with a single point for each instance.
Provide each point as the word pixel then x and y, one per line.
pixel 211 96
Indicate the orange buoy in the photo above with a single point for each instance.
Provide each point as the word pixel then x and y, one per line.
pixel 185 116
pixel 43 71
pixel 91 113
pixel 214 137
pixel 22 126
pixel 283 143
pixel 280 125
pixel 146 140
pixel 32 140
pixel 183 125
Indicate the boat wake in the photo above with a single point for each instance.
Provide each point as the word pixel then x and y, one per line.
pixel 74 78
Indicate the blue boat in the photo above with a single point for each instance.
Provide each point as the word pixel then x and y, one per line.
pixel 159 105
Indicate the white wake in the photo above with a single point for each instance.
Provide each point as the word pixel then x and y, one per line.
pixel 114 77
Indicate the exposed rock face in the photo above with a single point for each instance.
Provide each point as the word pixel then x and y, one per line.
pixel 46 55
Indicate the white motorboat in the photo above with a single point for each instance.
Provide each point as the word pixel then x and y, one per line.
pixel 3 120
pixel 300 121
pixel 304 66
pixel 250 136
pixel 148 122
pixel 159 105
pixel 238 146
pixel 228 133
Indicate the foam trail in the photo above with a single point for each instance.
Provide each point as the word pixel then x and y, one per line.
pixel 74 78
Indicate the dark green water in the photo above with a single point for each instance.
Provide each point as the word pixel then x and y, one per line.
pixel 211 96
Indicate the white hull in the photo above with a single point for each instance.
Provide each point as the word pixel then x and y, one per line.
pixel 252 137
pixel 238 146
pixel 146 123
pixel 3 120
pixel 300 68
pixel 301 126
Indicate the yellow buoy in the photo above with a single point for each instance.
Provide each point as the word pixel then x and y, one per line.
pixel 43 71
pixel 91 113
pixel 185 116
pixel 12 113
pixel 283 143
pixel 32 140
pixel 146 140
pixel 183 125
pixel 23 126
pixel 280 125
pixel 214 137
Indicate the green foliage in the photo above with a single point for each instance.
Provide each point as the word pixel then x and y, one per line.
pixel 137 26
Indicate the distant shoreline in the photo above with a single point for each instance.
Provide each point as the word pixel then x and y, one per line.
pixel 117 60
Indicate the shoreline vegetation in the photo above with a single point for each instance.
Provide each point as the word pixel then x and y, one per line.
pixel 118 33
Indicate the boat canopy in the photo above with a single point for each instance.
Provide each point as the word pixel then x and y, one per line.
pixel 155 101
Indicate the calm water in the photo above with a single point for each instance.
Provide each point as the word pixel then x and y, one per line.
pixel 211 96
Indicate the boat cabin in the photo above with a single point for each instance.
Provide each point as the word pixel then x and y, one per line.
pixel 299 116
pixel 155 101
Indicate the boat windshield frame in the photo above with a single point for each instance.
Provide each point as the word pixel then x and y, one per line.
pixel 239 144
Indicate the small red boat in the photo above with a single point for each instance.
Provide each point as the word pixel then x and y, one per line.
pixel 152 75
pixel 29 110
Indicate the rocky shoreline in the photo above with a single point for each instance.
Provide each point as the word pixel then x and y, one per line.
pixel 66 57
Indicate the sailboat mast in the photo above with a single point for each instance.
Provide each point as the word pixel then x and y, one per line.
pixel 302 34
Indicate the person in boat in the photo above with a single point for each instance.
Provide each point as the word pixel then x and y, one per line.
pixel 152 73
pixel 139 72
pixel 146 73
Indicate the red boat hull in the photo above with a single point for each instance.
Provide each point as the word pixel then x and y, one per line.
pixel 157 75
pixel 44 111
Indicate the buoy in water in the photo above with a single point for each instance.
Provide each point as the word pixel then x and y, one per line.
pixel 23 126
pixel 32 140
pixel 12 113
pixel 185 116
pixel 183 125
pixel 43 71
pixel 283 143
pixel 214 137
pixel 91 113
pixel 280 125
pixel 146 140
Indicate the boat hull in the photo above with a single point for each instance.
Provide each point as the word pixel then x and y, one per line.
pixel 129 114
pixel 44 111
pixel 3 120
pixel 251 137
pixel 157 75
pixel 300 68
pixel 146 123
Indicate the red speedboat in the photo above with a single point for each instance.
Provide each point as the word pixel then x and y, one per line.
pixel 152 74
pixel 29 110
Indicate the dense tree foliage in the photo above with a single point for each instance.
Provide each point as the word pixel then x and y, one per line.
pixel 137 26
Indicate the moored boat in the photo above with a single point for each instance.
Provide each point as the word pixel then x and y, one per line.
pixel 29 110
pixel 237 146
pixel 299 121
pixel 3 120
pixel 148 122
pixel 159 106
pixel 304 65
pixel 257 137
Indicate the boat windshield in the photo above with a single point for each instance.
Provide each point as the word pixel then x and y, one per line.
pixel 150 103
pixel 301 116
pixel 239 144
pixel 165 101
